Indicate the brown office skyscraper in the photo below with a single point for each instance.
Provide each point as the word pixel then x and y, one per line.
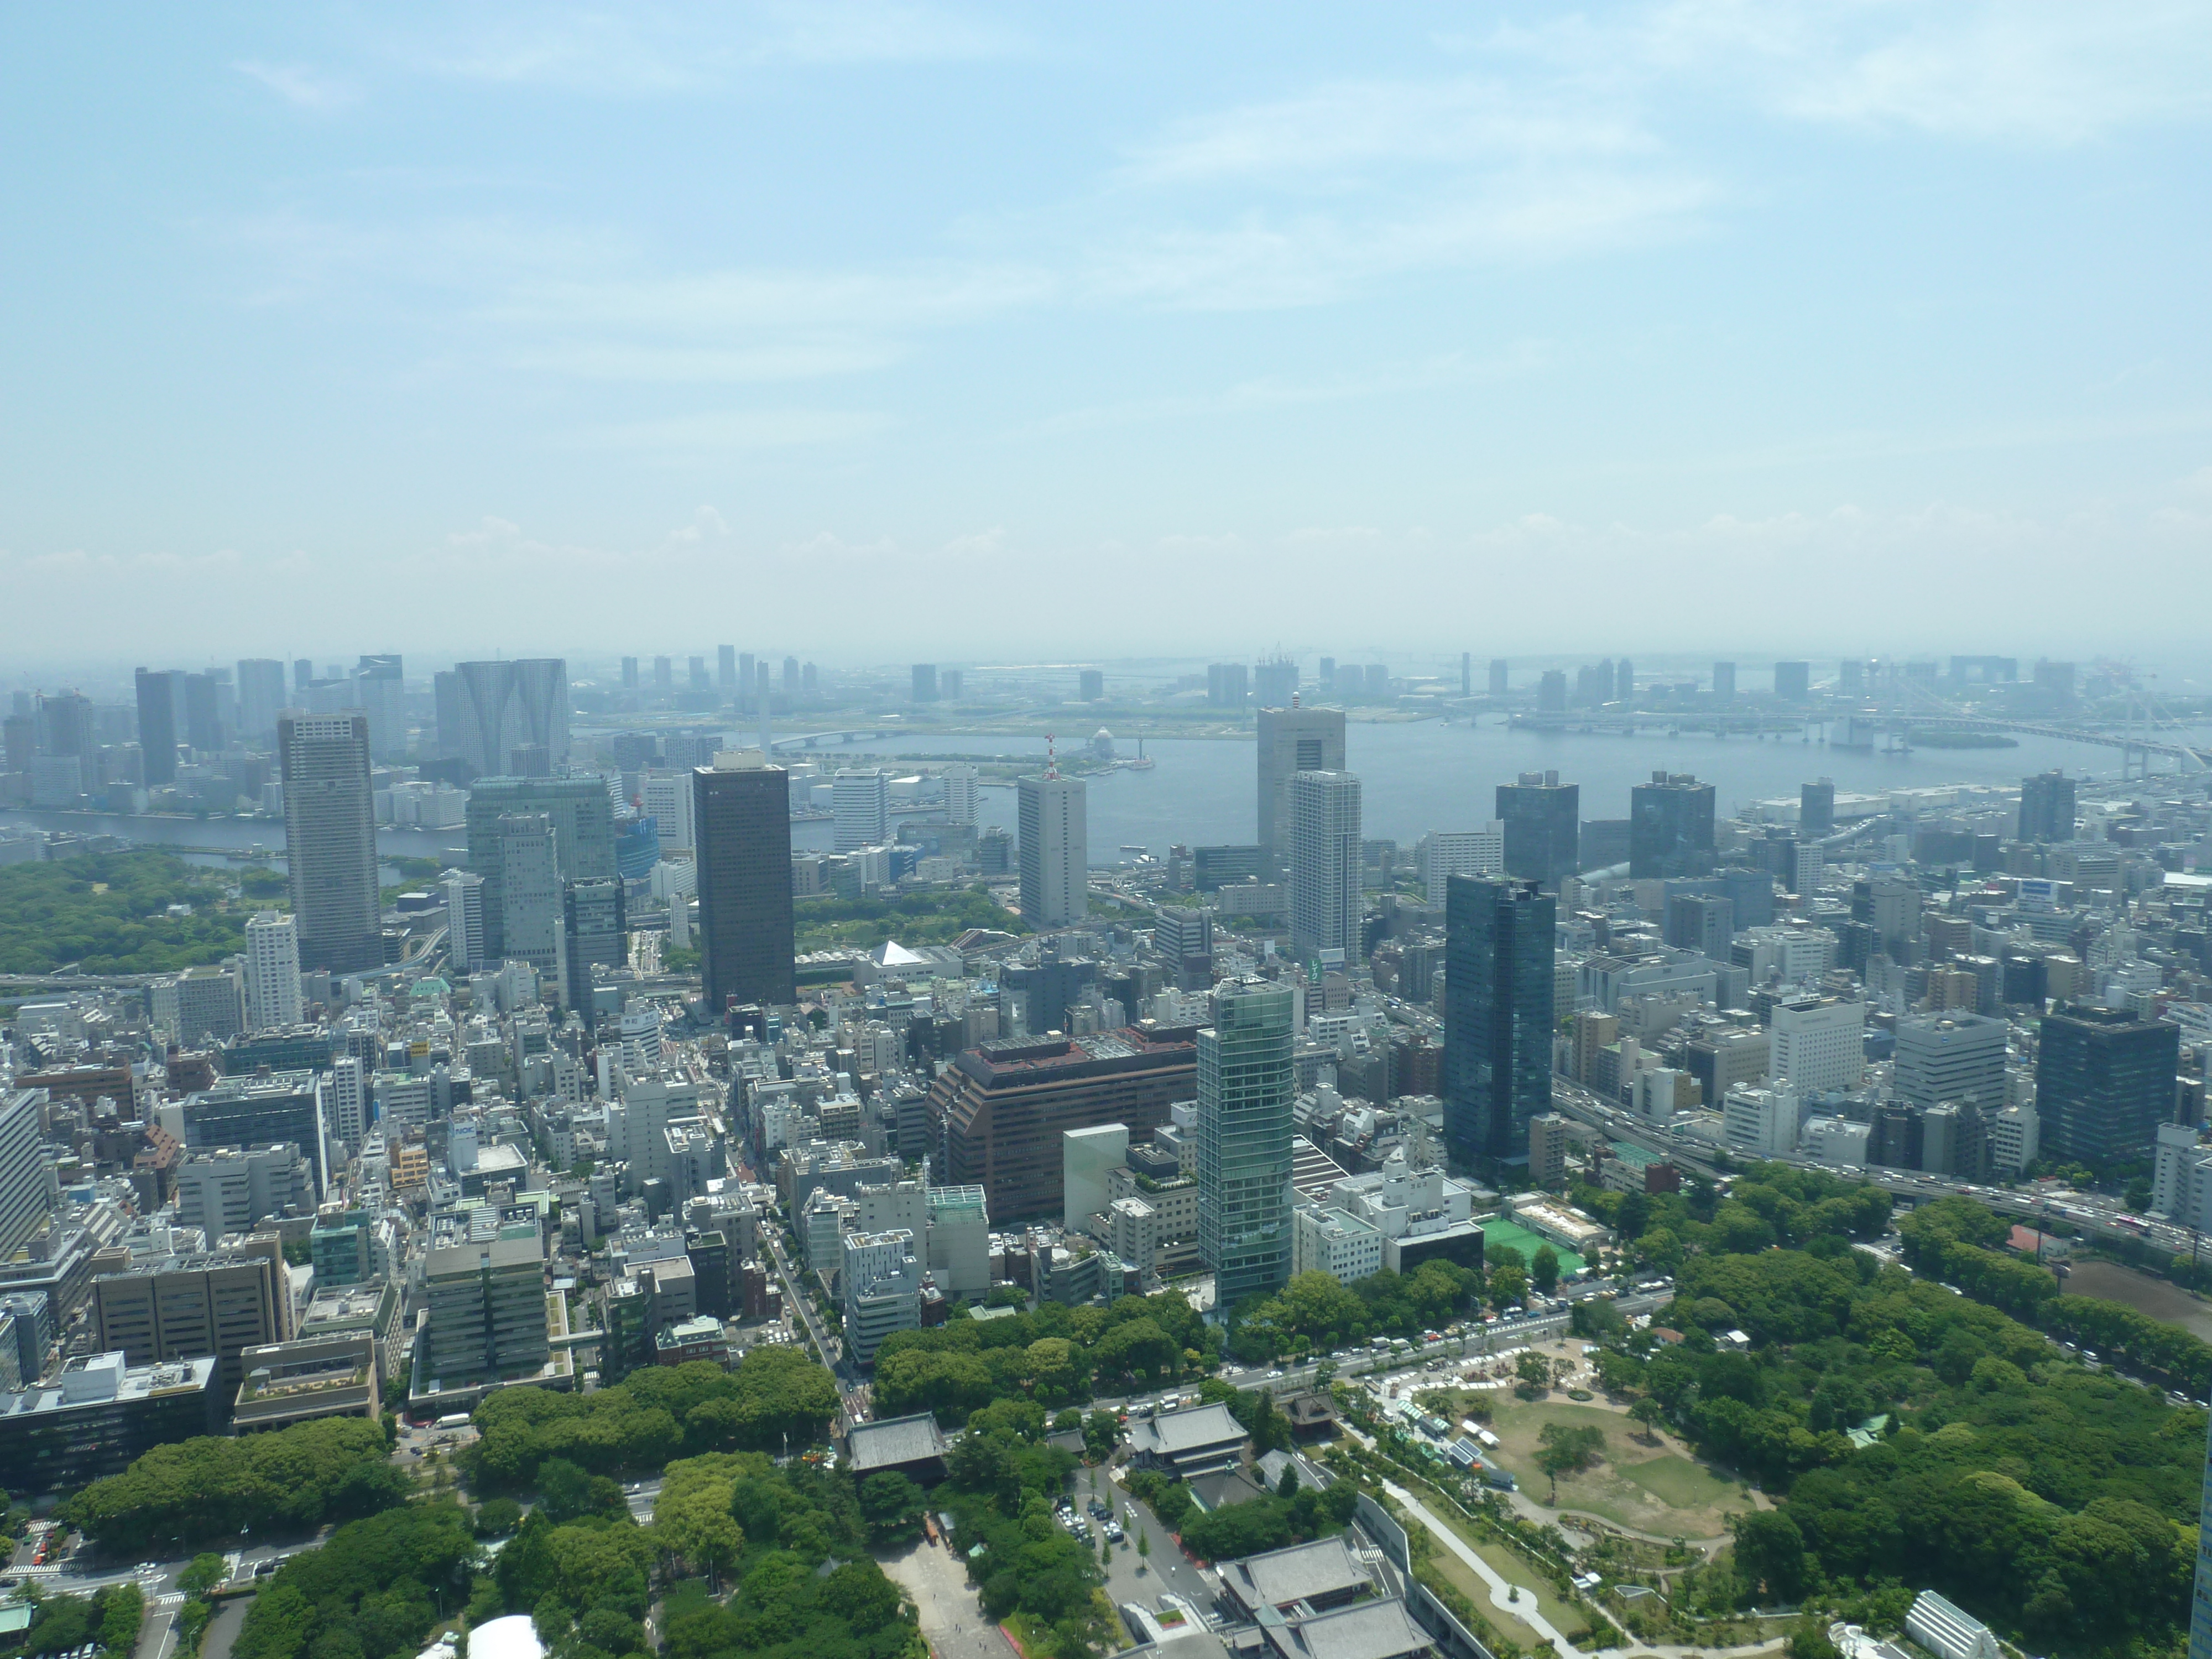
pixel 741 815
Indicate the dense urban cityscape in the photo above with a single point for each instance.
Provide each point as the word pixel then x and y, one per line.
pixel 940 829
pixel 628 1136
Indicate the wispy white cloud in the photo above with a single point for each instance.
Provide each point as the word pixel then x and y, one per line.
pixel 2045 72
pixel 1322 139
pixel 300 86
pixel 649 49
pixel 731 431
pixel 1275 392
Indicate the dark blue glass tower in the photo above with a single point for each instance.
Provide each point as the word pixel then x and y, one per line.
pixel 1498 940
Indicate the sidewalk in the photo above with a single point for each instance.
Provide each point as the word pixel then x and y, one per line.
pixel 1500 1588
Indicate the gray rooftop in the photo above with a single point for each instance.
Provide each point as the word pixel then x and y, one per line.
pixel 1301 1572
pixel 896 1441
pixel 1179 1434
pixel 1365 1630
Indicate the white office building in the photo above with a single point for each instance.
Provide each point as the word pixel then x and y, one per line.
pixel 960 794
pixel 667 798
pixel 1334 1242
pixel 1053 817
pixel 2015 1138
pixel 272 972
pixel 881 1279
pixel 1836 1141
pixel 1760 1122
pixel 1794 956
pixel 959 1242
pixel 1444 854
pixel 1954 1056
pixel 1819 1044
pixel 345 1101
pixel 1087 1156
pixel 861 800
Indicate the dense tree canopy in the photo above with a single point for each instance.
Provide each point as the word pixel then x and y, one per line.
pixel 108 912
pixel 1769 1203
pixel 374 1591
pixel 1955 1240
pixel 1054 1356
pixel 109 1618
pixel 793 1538
pixel 1316 1311
pixel 653 1415
pixel 213 1487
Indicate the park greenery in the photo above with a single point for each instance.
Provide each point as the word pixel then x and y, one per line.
pixel 774 1396
pixel 1316 1311
pixel 2046 1496
pixel 61 1623
pixel 932 917
pixel 375 1590
pixel 192 1491
pixel 1055 1356
pixel 108 912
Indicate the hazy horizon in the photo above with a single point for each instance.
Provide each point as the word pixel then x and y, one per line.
pixel 885 333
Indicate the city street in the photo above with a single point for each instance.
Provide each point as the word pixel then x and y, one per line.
pixel 1167 1568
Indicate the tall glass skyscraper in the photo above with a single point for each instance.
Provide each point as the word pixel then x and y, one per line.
pixel 1543 827
pixel 1245 1085
pixel 1498 947
pixel 741 819
pixel 329 840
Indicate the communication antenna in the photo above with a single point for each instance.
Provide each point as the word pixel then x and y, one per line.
pixel 1051 757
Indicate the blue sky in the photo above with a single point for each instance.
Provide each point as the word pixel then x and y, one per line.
pixel 878 332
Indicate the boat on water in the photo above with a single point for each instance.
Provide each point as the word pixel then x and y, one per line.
pixel 1141 763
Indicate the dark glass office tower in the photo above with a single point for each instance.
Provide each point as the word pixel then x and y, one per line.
pixel 2046 807
pixel 2103 1082
pixel 1816 810
pixel 159 695
pixel 1498 938
pixel 741 815
pixel 1246 1084
pixel 1670 827
pixel 1543 827
pixel 595 933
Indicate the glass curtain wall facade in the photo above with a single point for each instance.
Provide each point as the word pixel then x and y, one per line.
pixel 1246 1083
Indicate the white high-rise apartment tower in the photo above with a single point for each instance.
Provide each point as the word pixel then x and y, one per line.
pixel 862 803
pixel 464 920
pixel 1326 863
pixel 272 972
pixel 345 1101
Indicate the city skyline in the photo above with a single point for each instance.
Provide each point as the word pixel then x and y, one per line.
pixel 717 304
